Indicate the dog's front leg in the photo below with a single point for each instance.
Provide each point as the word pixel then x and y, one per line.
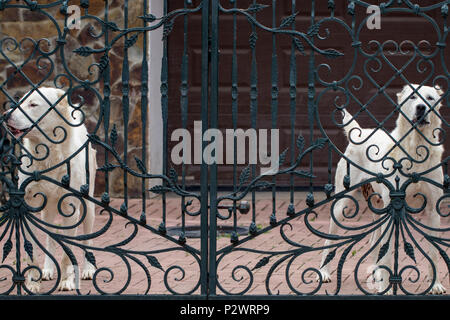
pixel 338 213
pixel 33 276
pixel 381 275
pixel 49 267
pixel 69 272
pixel 88 223
pixel 88 226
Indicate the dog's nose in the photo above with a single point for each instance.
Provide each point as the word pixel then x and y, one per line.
pixel 420 110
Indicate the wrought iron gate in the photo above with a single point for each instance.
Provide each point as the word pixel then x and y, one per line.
pixel 142 245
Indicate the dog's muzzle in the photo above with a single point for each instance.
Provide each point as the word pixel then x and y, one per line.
pixel 420 117
pixel 17 133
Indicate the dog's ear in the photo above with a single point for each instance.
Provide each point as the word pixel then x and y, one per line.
pixel 439 90
pixel 401 94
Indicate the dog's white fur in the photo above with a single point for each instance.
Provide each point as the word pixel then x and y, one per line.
pixel 409 103
pixel 34 106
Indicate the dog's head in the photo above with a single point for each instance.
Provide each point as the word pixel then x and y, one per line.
pixel 420 105
pixel 37 110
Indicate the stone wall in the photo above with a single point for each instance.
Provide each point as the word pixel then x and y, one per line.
pixel 21 24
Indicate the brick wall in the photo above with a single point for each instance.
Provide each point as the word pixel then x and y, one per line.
pixel 25 24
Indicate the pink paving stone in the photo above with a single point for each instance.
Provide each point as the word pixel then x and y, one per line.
pixel 182 270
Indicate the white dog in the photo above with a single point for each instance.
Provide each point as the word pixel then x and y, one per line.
pixel 416 112
pixel 38 121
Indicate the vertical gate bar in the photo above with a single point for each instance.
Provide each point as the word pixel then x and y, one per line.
pixel 144 106
pixel 164 106
pixel 445 170
pixel 86 165
pixel 213 124
pixel 331 6
pixel 15 182
pixel 353 24
pixel 293 102
pixel 18 257
pixel 396 227
pixel 253 107
pixel 184 109
pixel 330 162
pixel 68 168
pixel 204 288
pixel 106 97
pixel 234 111
pixel 311 94
pixel 125 102
pixel 274 104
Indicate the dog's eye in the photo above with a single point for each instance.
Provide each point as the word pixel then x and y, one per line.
pixel 33 105
pixel 413 97
pixel 430 98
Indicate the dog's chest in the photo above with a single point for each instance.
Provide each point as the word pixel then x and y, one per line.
pixel 55 166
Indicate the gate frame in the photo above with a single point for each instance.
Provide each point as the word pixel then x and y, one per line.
pixel 209 187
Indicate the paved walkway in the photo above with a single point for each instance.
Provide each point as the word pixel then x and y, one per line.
pixel 178 270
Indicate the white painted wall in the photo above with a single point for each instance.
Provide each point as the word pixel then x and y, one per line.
pixel 156 7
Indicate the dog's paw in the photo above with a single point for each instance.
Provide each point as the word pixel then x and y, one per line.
pixel 326 278
pixel 438 289
pixel 390 292
pixel 33 286
pixel 88 273
pixel 67 285
pixel 47 274
pixel 382 286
